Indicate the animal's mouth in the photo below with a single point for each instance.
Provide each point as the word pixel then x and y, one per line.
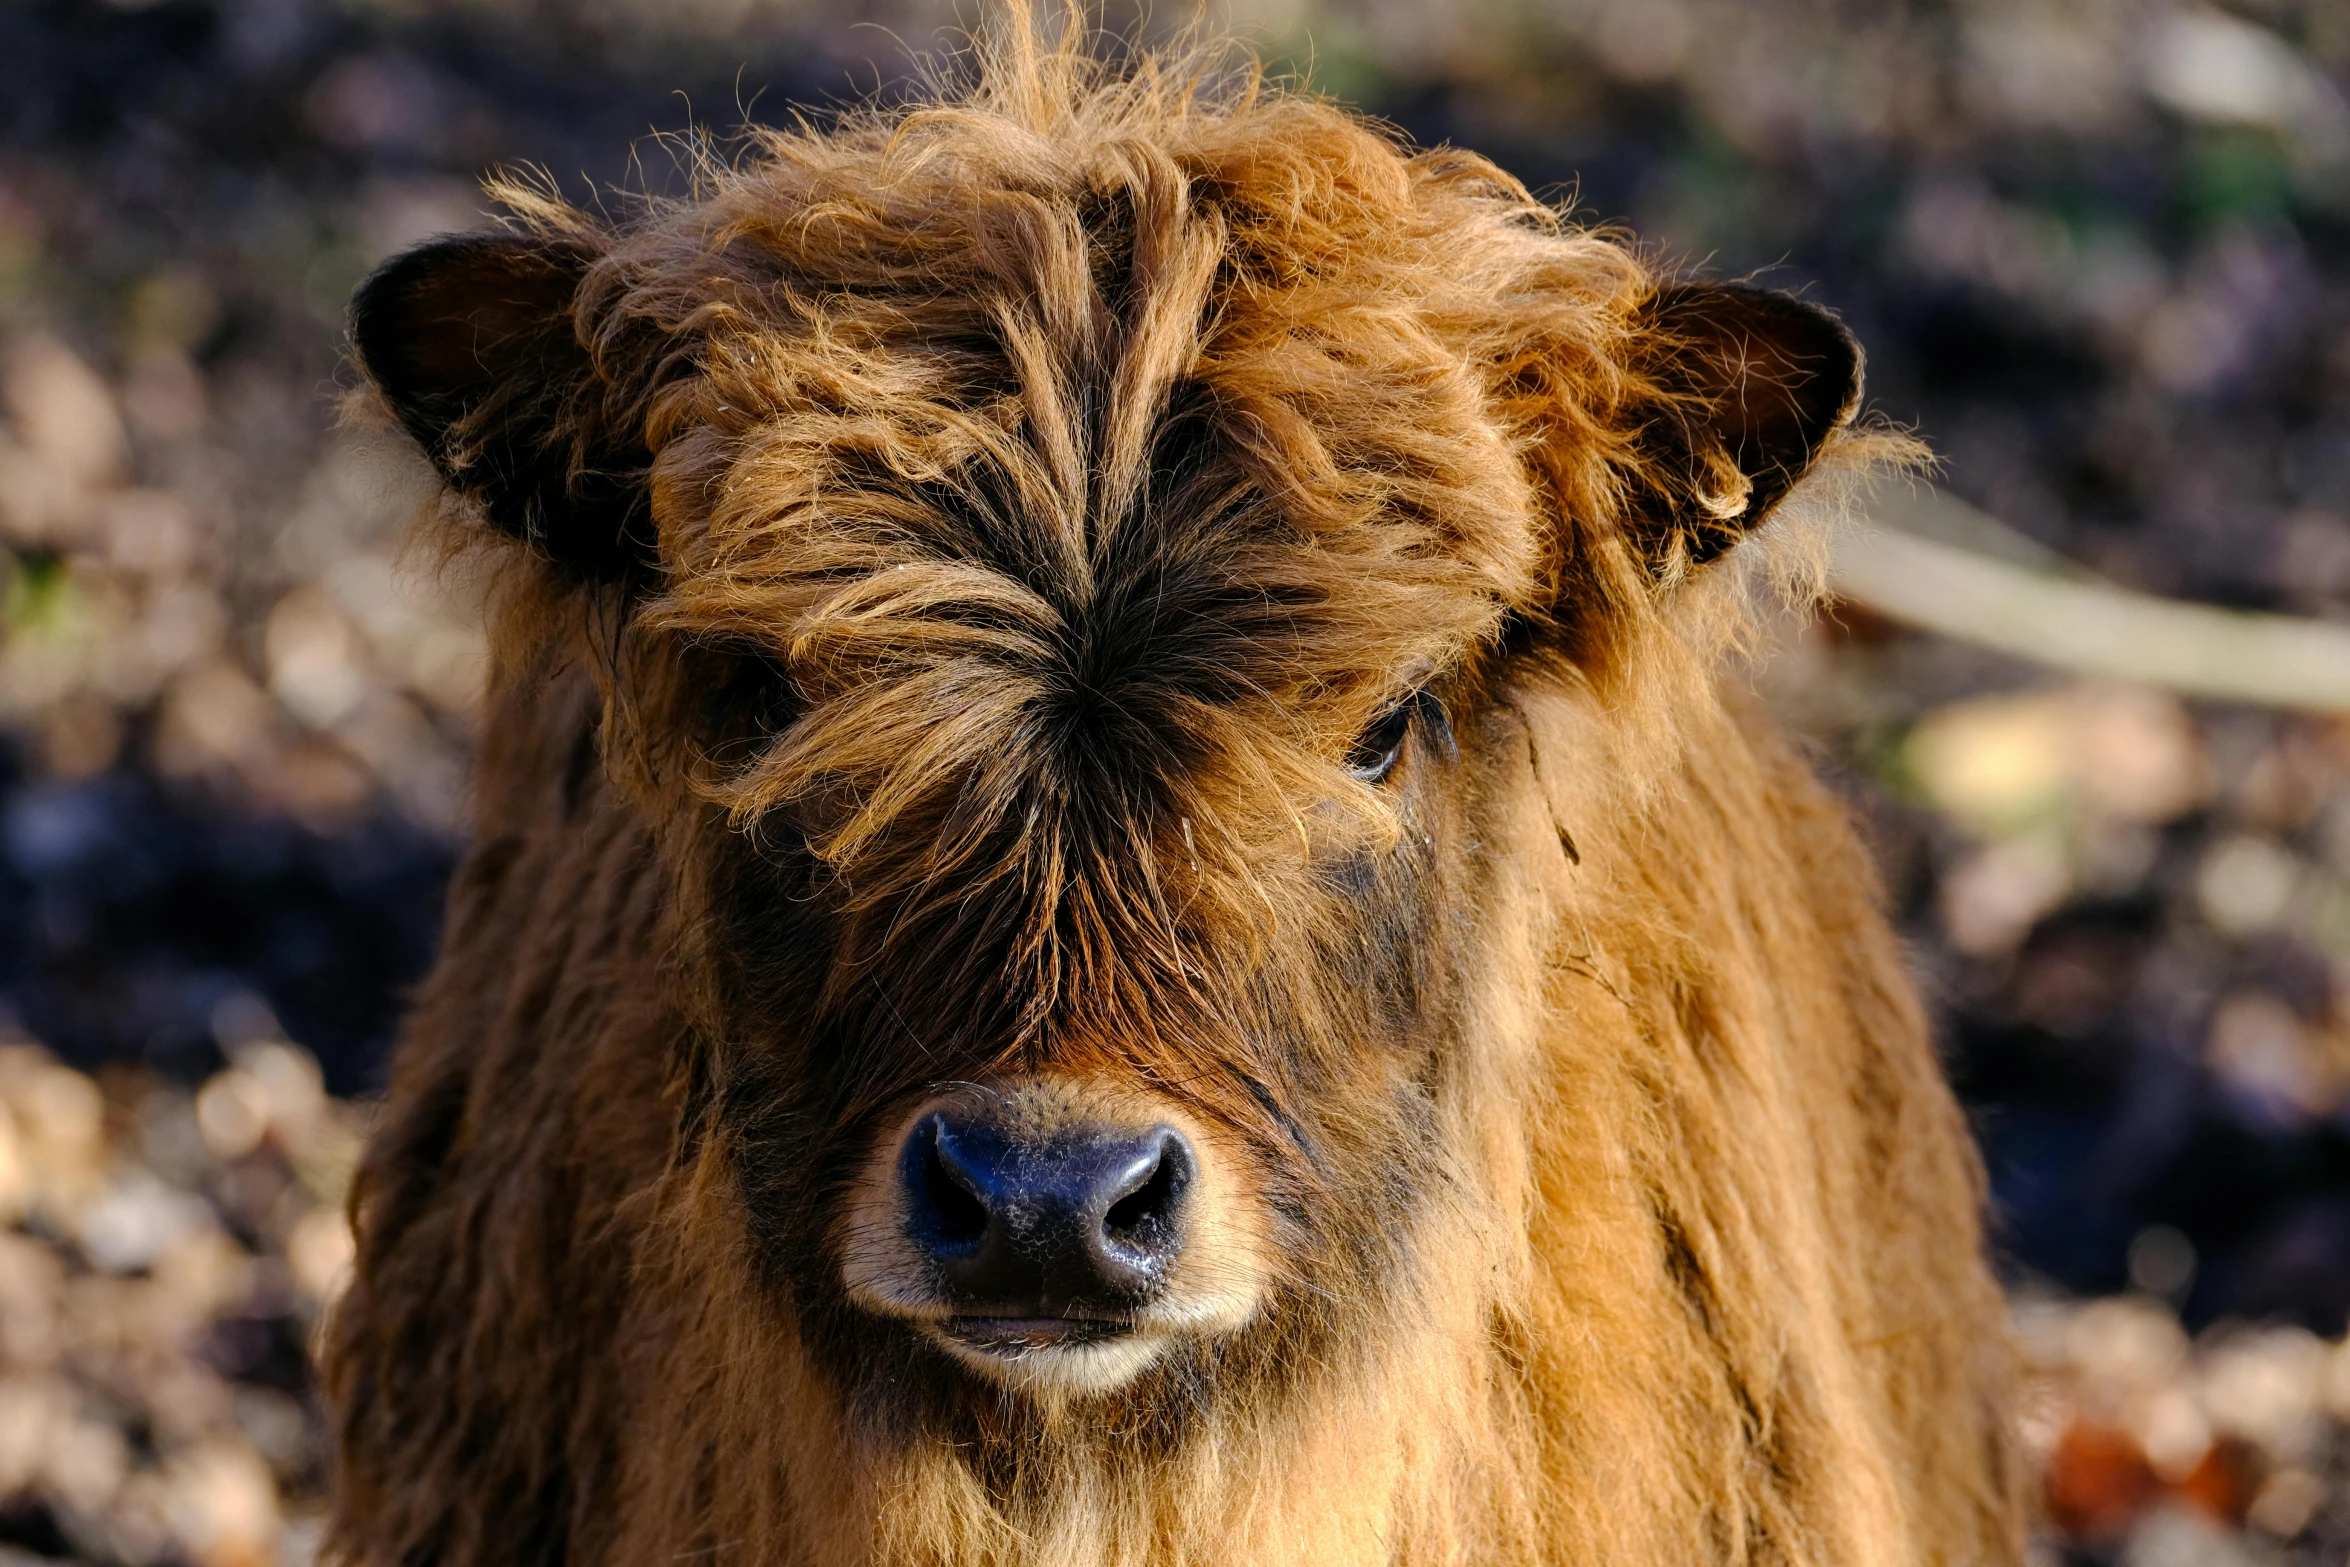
pixel 1011 1338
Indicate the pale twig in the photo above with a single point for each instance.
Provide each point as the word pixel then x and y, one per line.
pixel 1938 564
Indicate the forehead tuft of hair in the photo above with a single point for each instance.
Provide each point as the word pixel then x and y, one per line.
pixel 1091 450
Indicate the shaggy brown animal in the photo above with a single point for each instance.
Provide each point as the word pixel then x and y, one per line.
pixel 1120 916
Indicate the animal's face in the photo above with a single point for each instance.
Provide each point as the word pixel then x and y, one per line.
pixel 1056 605
pixel 1074 851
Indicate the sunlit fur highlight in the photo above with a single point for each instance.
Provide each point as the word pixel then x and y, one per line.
pixel 1687 1268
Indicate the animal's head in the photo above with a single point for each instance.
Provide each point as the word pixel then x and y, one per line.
pixel 1057 562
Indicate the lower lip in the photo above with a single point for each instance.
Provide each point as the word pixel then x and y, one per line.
pixel 1024 1335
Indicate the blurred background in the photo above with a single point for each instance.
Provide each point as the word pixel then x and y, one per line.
pixel 2099 251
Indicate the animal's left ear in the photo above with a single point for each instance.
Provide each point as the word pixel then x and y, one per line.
pixel 1755 383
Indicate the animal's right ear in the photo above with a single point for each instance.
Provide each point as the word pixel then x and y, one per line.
pixel 472 343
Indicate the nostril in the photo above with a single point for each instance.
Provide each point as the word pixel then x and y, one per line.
pixel 947 1205
pixel 960 1217
pixel 1128 1215
pixel 1145 1218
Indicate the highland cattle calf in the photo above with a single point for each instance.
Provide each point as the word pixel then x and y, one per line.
pixel 1119 916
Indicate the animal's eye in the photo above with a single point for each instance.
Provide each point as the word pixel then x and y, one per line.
pixel 1377 748
pixel 749 698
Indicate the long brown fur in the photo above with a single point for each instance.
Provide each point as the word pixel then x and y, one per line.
pixel 1047 482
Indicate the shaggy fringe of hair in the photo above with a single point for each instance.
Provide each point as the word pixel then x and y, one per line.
pixel 1376 317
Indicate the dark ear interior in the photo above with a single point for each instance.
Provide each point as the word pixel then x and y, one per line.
pixel 471 342
pixel 1758 380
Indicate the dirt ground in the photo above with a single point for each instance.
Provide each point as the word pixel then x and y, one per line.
pixel 2099 253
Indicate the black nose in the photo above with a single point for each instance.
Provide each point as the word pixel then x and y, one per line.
pixel 1082 1221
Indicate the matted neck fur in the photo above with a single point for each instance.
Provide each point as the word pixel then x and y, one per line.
pixel 1117 917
